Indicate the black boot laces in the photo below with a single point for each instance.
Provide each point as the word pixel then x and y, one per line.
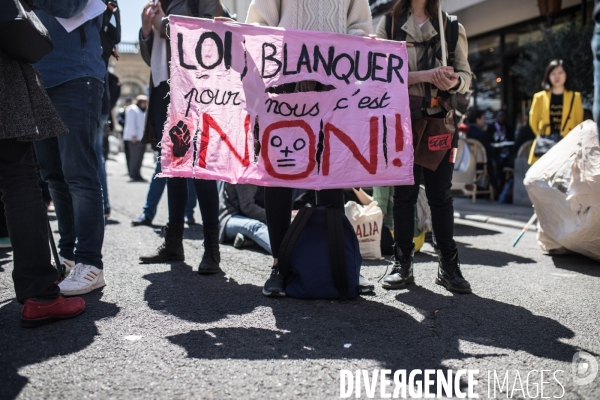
pixel 397 266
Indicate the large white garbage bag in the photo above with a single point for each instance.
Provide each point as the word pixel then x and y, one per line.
pixel 564 186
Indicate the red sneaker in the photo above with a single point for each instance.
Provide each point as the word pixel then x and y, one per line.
pixel 37 313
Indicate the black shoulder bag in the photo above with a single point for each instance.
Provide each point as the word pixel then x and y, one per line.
pixel 22 34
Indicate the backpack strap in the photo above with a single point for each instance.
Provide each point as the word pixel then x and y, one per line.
pixel 390 28
pixel 568 115
pixel 289 241
pixel 451 30
pixel 337 251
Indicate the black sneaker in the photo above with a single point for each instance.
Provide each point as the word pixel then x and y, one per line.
pixel 450 275
pixel 242 241
pixel 274 286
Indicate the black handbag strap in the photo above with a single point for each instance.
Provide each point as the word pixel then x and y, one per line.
pixel 290 239
pixel 59 266
pixel 568 115
pixel 337 251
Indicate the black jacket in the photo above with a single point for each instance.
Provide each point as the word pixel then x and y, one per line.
pixel 26 112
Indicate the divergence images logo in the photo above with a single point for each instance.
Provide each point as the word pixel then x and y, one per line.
pixel 585 368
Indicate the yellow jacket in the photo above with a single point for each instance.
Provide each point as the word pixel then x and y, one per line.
pixel 539 115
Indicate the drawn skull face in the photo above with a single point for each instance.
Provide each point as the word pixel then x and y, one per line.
pixel 288 148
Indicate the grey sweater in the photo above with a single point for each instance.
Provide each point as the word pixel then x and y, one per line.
pixel 238 200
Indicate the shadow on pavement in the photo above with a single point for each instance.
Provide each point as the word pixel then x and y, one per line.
pixel 309 329
pixel 5 258
pixel 576 263
pixel 488 258
pixel 20 347
pixel 468 230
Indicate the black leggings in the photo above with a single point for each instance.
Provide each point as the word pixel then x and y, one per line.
pixel 27 221
pixel 177 192
pixel 437 187
pixel 278 207
pixel 208 197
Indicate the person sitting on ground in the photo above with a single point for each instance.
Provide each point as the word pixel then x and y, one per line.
pixel 28 115
pixel 132 134
pixel 242 217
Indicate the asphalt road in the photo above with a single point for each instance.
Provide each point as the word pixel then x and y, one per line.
pixel 163 331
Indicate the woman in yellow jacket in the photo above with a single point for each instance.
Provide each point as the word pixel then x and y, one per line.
pixel 556 109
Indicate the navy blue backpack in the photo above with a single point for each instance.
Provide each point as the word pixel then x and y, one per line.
pixel 320 256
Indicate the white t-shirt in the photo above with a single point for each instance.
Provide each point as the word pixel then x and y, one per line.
pixel 134 123
pixel 158 59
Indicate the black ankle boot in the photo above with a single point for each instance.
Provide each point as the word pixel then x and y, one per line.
pixel 402 270
pixel 212 257
pixel 450 275
pixel 171 249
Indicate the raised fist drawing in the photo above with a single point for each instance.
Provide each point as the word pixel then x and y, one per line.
pixel 181 138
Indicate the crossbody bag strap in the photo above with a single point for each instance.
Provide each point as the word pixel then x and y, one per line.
pixel 568 115
pixel 337 251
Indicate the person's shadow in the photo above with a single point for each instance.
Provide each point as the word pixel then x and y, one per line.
pixel 20 347
pixel 358 329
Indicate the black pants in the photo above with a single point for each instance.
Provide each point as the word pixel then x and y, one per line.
pixel 27 222
pixel 3 227
pixel 127 156
pixel 177 192
pixel 278 207
pixel 437 187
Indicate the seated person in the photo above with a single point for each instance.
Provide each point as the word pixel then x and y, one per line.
pixel 477 128
pixel 242 217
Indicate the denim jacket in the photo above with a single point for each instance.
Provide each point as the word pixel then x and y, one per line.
pixel 71 57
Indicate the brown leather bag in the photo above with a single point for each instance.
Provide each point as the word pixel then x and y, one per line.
pixel 432 137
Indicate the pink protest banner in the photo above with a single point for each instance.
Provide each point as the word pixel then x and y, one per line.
pixel 226 121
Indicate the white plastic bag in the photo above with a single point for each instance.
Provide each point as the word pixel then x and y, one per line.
pixel 564 186
pixel 367 222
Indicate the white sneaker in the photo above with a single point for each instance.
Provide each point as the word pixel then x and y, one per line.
pixel 69 264
pixel 82 279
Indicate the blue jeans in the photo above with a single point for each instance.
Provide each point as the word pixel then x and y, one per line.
pixel 74 182
pixel 596 51
pixel 251 228
pixel 102 161
pixel 155 192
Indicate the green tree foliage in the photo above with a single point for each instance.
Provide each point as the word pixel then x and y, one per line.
pixel 571 44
